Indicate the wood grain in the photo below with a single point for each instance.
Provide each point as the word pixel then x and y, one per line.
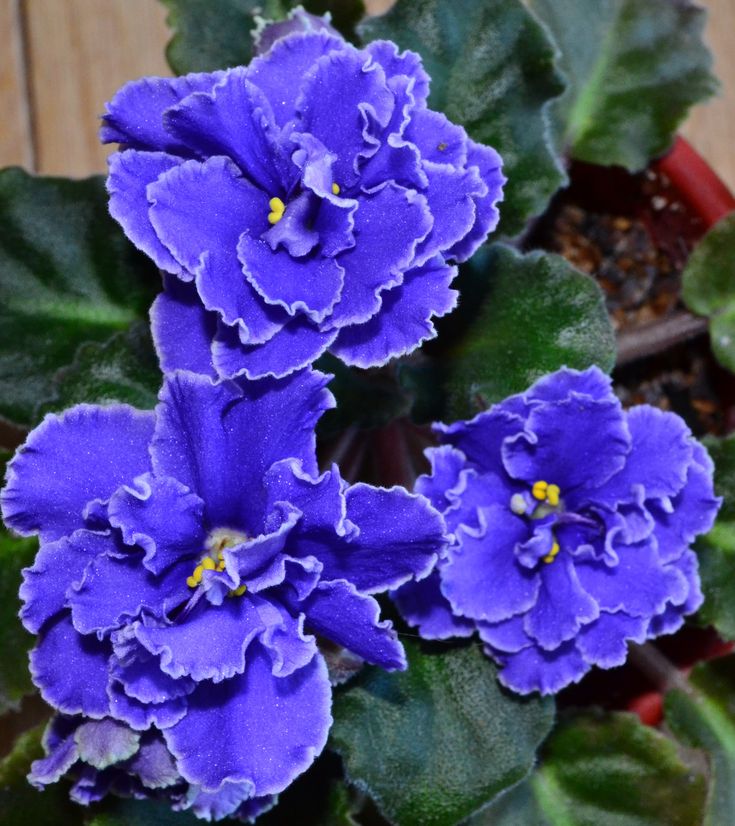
pixel 711 126
pixel 16 144
pixel 80 51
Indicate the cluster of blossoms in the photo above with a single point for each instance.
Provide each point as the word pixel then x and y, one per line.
pixel 308 202
pixel 188 557
pixel 571 522
pixel 193 559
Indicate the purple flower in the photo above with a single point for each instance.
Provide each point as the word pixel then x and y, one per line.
pixel 572 521
pixel 308 202
pixel 189 556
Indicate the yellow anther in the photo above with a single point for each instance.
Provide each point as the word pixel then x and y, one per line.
pixel 238 592
pixel 198 571
pixel 208 563
pixel 221 565
pixel 552 553
pixel 277 209
pixel 539 490
pixel 191 582
pixel 335 189
pixel 552 495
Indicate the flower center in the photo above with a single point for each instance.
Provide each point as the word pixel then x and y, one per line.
pixel 548 497
pixel 336 189
pixel 214 559
pixel 277 209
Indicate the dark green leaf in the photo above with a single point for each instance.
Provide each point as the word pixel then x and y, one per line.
pixel 15 641
pixel 116 812
pixel 123 369
pixel 538 313
pixel 67 275
pixel 433 744
pixel 492 70
pixel 704 717
pixel 210 36
pixel 604 769
pixel 20 803
pixel 345 13
pixel 716 550
pixel 365 398
pixel 634 67
pixel 708 286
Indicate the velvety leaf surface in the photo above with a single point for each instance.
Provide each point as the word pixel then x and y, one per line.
pixel 67 276
pixel 492 70
pixel 433 744
pixel 20 803
pixel 603 769
pixel 537 313
pixel 716 550
pixel 704 717
pixel 634 67
pixel 117 812
pixel 123 369
pixel 209 36
pixel 15 641
pixel 708 286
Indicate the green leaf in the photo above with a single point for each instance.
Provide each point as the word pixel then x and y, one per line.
pixel 123 369
pixel 708 286
pixel 20 803
pixel 116 812
pixel 15 641
pixel 210 36
pixel 67 275
pixel 434 743
pixel 716 550
pixel 704 717
pixel 351 388
pixel 604 769
pixel 634 67
pixel 537 314
pixel 492 70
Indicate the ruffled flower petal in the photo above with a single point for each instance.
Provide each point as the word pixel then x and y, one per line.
pixel 269 729
pixel 85 453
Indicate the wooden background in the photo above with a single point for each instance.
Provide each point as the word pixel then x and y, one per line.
pixel 60 60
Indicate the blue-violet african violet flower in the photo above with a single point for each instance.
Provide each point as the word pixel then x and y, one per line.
pixel 188 556
pixel 572 522
pixel 307 202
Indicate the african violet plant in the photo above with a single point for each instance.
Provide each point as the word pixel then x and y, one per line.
pixel 228 581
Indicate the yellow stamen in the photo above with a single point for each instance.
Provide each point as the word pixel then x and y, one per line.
pixel 335 189
pixel 552 495
pixel 539 490
pixel 191 582
pixel 552 553
pixel 208 563
pixel 277 209
pixel 238 592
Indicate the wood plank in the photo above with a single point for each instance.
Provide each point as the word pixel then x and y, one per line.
pixel 16 146
pixel 80 53
pixel 711 127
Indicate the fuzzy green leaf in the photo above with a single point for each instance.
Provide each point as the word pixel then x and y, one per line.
pixel 20 803
pixel 217 35
pixel 716 550
pixel 536 313
pixel 433 744
pixel 704 717
pixel 68 275
pixel 603 769
pixel 15 641
pixel 123 369
pixel 635 68
pixel 116 812
pixel 492 70
pixel 708 286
